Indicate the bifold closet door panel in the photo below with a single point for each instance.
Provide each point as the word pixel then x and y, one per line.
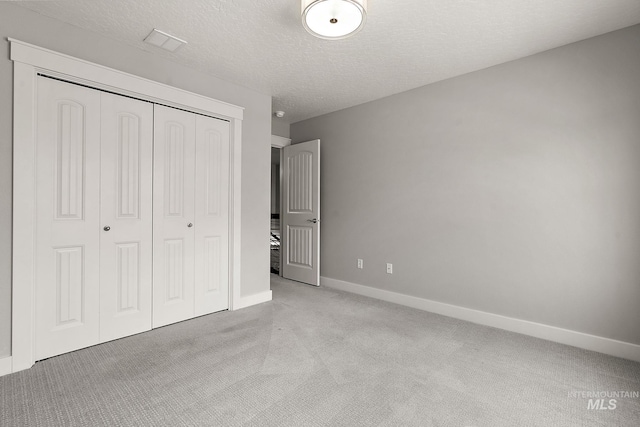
pixel 173 215
pixel 211 216
pixel 67 216
pixel 126 250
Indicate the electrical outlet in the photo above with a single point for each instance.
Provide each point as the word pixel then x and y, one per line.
pixel 360 264
pixel 389 268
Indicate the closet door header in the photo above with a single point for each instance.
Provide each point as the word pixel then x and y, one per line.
pixel 98 76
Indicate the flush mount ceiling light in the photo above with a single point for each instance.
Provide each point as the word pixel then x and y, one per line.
pixel 333 19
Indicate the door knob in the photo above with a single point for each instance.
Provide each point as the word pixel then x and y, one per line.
pixel 314 220
pixel 106 228
pixel 190 225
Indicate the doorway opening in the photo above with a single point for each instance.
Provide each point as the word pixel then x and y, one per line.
pixel 274 238
pixel 295 210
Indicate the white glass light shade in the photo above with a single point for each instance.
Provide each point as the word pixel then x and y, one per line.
pixel 333 19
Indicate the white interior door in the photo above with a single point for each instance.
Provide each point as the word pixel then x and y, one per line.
pixel 67 217
pixel 173 217
pixel 300 239
pixel 126 216
pixel 211 215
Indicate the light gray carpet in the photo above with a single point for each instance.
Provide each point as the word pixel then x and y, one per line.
pixel 315 357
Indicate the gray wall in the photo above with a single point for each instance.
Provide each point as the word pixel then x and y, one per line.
pixel 513 190
pixel 279 127
pixel 34 28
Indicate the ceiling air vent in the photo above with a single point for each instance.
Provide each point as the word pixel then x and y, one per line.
pixel 164 40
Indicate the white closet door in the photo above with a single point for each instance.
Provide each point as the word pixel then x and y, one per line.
pixel 67 217
pixel 173 206
pixel 126 213
pixel 211 215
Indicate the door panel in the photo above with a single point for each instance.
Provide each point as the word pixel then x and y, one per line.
pixel 69 286
pixel 212 215
pixel 301 212
pixel 173 205
pixel 126 193
pixel 300 242
pixel 67 214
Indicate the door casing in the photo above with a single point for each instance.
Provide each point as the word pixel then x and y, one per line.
pixel 280 142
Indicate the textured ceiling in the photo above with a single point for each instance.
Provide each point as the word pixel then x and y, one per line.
pixel 261 44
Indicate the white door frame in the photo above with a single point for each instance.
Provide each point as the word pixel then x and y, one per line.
pixel 28 62
pixel 280 142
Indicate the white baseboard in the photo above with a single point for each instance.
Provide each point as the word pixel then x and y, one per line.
pixel 250 300
pixel 608 346
pixel 5 366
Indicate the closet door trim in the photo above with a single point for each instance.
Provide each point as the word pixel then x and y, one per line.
pixel 28 62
